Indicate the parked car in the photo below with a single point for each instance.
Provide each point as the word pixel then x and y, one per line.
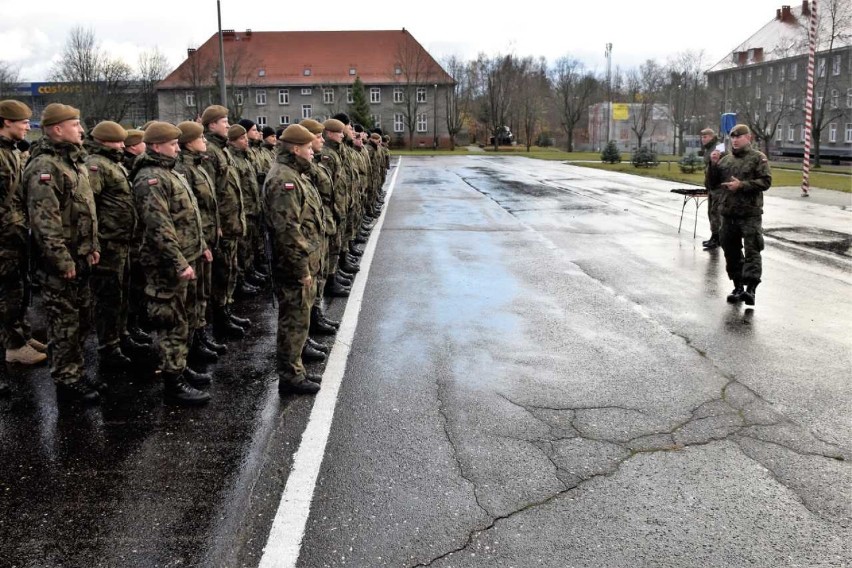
pixel 504 137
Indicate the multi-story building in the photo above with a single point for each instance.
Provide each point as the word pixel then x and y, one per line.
pixel 656 128
pixel 764 81
pixel 279 78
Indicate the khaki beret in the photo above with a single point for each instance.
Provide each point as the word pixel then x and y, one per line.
pixel 334 125
pixel 213 113
pixel 708 132
pixel 297 134
pixel 54 113
pixel 386 138
pixel 312 125
pixel 375 136
pixel 161 132
pixel 145 126
pixel 11 109
pixel 109 131
pixel 740 129
pixel 235 131
pixel 190 130
pixel 134 137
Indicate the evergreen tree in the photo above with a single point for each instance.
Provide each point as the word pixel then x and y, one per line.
pixel 611 155
pixel 359 110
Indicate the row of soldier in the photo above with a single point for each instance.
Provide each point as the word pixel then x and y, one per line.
pixel 159 227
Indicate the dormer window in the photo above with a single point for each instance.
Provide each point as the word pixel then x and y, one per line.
pixel 306 72
pixel 352 71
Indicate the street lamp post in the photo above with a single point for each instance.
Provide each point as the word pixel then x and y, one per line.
pixel 435 116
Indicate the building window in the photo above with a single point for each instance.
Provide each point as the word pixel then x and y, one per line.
pixel 758 71
pixel 398 123
pixel 350 98
pixel 739 79
pixel 397 94
pixel 835 98
pixel 421 94
pixel 748 78
pixel 849 96
pixel 422 123
pixel 779 133
pixel 849 132
pixel 284 119
pixel 375 95
pixel 190 99
pixel 352 71
pixel 328 96
pixel 819 101
pixel 832 132
pixel 261 122
pixel 802 133
pixel 283 96
pixel 757 91
pixel 261 73
pixel 791 133
pixel 794 71
pixel 769 103
pixel 307 111
pixel 306 91
pixel 238 97
pixel 769 72
pixel 821 67
pixel 782 73
pixel 377 120
pixel 306 72
pixel 397 71
pixel 721 81
pixel 835 65
pixel 260 97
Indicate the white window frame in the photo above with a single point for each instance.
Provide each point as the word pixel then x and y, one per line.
pixel 739 79
pixel 398 95
pixel 190 99
pixel 791 133
pixel 819 102
pixel 769 72
pixel 794 71
pixel 260 97
pixel 832 132
pixel 261 122
pixel 821 67
pixel 802 133
pixel 350 97
pixel 239 98
pixel 284 119
pixel 377 120
pixel 782 73
pixel 375 95
pixel 422 124
pixel 398 122
pixel 307 111
pixel 849 96
pixel 748 78
pixel 757 91
pixel 835 98
pixel 779 134
pixel 848 132
pixel 835 65
pixel 328 96
pixel 421 94
pixel 769 103
pixel 306 91
pixel 283 96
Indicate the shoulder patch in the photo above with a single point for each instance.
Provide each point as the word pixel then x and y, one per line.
pixel 93 167
pixel 153 181
pixel 289 186
pixel 44 177
pixel 325 158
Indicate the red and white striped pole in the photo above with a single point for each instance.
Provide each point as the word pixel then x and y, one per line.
pixel 809 101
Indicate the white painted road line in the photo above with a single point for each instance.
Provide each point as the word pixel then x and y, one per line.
pixel 285 537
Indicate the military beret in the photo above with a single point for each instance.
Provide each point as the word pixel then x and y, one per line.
pixel 190 130
pixel 342 117
pixel 376 137
pixel 109 131
pixel 134 137
pixel 11 109
pixel 161 132
pixel 246 123
pixel 708 132
pixel 378 131
pixel 334 125
pixel 357 128
pixel 297 134
pixel 235 131
pixel 268 131
pixel 312 125
pixel 386 138
pixel 213 113
pixel 54 113
pixel 280 131
pixel 145 126
pixel 739 130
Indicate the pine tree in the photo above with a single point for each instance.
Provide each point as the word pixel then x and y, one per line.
pixel 359 110
pixel 611 155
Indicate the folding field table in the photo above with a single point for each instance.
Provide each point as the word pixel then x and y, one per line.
pixel 699 196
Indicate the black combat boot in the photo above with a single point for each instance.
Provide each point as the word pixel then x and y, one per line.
pixel 712 242
pixel 257 278
pixel 318 346
pixel 196 379
pixel 313 378
pixel 349 264
pixel 311 355
pixel 224 328
pixel 4 388
pixel 244 323
pixel 736 295
pixel 177 391
pixel 245 289
pixel 211 344
pixel 78 391
pixel 324 317
pixel 138 352
pixel 318 326
pixel 113 359
pixel 336 289
pixel 296 385
pixel 749 295
pixel 345 280
pixel 199 352
pixel 139 336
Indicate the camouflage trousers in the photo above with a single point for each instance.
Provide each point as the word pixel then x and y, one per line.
pixel 110 290
pixel 14 330
pixel 738 234
pixel 714 214
pixel 294 318
pixel 68 308
pixel 224 272
pixel 202 289
pixel 251 253
pixel 166 305
pixel 135 289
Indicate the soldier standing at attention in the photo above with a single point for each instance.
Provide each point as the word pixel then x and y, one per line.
pixel 65 233
pixel 709 140
pixel 232 222
pixel 744 175
pixel 134 146
pixel 238 146
pixel 172 245
pixel 14 331
pixel 293 212
pixel 117 225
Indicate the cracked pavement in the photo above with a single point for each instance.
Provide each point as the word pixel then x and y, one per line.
pixel 547 374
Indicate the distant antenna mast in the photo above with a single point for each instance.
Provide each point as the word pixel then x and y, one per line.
pixel 608 91
pixel 222 92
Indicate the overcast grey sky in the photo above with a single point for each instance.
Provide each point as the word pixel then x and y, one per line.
pixel 32 33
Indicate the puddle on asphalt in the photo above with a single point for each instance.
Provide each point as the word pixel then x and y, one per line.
pixel 822 239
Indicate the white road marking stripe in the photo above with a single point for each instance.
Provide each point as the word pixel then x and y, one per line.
pixel 285 537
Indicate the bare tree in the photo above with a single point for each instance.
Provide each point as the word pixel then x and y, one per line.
pixel 458 97
pixel 535 91
pixel 8 79
pixel 497 91
pixel 197 72
pixel 152 67
pixel 240 71
pixel 412 74
pixel 682 91
pixel 643 86
pixel 574 88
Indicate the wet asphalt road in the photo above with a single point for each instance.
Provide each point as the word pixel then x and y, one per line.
pixel 545 373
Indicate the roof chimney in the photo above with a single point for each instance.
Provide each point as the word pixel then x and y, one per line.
pixel 190 51
pixel 778 13
pixel 806 8
pixel 248 31
pixel 786 15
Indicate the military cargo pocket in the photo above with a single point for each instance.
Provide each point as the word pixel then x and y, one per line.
pixel 161 311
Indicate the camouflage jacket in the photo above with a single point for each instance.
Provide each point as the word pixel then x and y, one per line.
pixel 229 194
pixel 190 165
pixel 117 219
pixel 339 178
pixel 173 235
pixel 321 178
pixel 243 161
pixel 130 161
pixel 268 153
pixel 352 163
pixel 13 214
pixel 61 206
pixel 293 214
pixel 751 167
pixel 260 159
pixel 708 149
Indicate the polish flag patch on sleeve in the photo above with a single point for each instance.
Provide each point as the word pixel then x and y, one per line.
pixel 44 177
pixel 153 181
pixel 93 167
pixel 289 186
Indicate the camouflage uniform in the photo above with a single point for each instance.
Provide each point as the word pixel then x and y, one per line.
pixel 190 165
pixel 232 218
pixel 65 231
pixel 714 193
pixel 244 160
pixel 294 218
pixel 136 276
pixel 13 244
pixel 320 175
pixel 173 242
pixel 742 211
pixel 117 223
